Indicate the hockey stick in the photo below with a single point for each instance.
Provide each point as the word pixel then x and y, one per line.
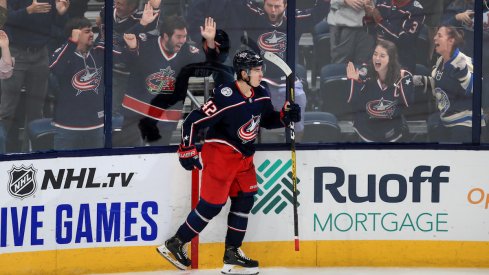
pixel 288 72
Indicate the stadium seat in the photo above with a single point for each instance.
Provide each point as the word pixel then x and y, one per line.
pixel 41 132
pixel 321 54
pixel 334 91
pixel 320 127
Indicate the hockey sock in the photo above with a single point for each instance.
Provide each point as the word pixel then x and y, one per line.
pixel 238 219
pixel 197 220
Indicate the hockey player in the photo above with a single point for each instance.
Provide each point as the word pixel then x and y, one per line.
pixel 380 95
pixel 79 108
pixel 234 115
pixel 155 62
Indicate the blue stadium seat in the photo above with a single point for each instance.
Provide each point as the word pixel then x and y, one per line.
pixel 320 127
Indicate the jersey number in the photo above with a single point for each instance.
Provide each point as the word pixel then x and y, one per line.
pixel 209 108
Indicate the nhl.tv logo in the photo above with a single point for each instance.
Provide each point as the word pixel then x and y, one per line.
pixel 275 187
pixel 22 181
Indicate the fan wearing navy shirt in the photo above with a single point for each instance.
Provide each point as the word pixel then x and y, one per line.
pixel 234 115
pixel 400 22
pixel 151 112
pixel 79 108
pixel 380 96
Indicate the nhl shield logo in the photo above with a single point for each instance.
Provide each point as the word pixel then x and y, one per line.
pixel 22 181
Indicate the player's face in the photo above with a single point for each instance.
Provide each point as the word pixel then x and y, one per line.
pixel 443 43
pixel 274 9
pixel 176 41
pixel 256 75
pixel 86 37
pixel 380 59
pixel 122 8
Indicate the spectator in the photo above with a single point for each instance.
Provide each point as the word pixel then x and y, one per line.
pixel 6 69
pixel 398 21
pixel 460 14
pixel 79 108
pixel 349 41
pixel 155 62
pixel 127 19
pixel 267 31
pixel 380 96
pixel 28 26
pixel 451 83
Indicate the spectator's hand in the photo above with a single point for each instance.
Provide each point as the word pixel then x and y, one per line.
pixel 4 42
pixel 62 6
pixel 75 35
pixel 465 17
pixel 131 40
pixel 36 7
pixel 208 31
pixel 355 4
pixel 155 3
pixel 352 72
pixel 369 7
pixel 148 15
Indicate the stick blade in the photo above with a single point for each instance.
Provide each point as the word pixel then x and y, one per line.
pixel 275 59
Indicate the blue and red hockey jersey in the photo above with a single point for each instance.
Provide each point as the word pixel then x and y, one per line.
pixel 232 118
pixel 80 100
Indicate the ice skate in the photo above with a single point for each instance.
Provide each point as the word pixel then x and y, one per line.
pixel 236 262
pixel 175 252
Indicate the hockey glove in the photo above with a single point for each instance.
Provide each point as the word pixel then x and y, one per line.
pixel 189 157
pixel 291 112
pixel 149 130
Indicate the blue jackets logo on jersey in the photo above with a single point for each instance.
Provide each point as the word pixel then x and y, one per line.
pixel 87 80
pixel 22 181
pixel 249 130
pixel 381 108
pixel 442 100
pixel 275 42
pixel 161 82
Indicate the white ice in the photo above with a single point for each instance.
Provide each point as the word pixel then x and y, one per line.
pixel 331 271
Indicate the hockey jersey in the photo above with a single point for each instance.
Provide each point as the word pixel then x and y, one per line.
pixel 265 36
pixel 153 75
pixel 80 99
pixel 378 110
pixel 453 83
pixel 400 22
pixel 232 118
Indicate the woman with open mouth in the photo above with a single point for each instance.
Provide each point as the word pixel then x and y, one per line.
pixel 380 92
pixel 451 85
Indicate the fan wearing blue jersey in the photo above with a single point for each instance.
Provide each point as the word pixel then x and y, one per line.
pixel 234 115
pixel 151 108
pixel 77 68
pixel 451 82
pixel 380 95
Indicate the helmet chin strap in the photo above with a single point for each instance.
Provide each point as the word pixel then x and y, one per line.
pixel 247 81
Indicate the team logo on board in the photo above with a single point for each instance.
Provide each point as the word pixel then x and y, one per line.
pixel 22 181
pixel 274 187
